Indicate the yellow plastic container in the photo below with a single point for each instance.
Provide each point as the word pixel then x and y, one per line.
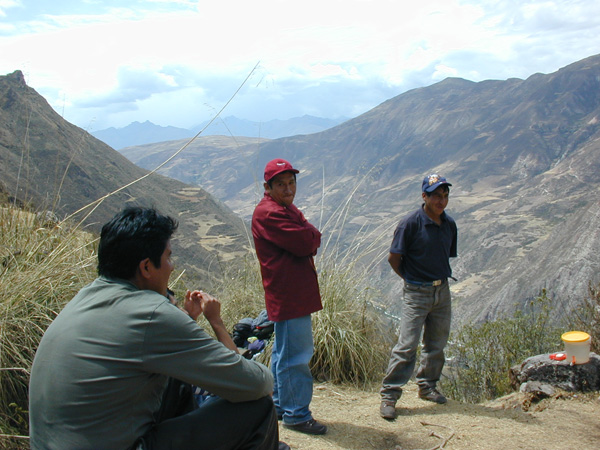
pixel 577 346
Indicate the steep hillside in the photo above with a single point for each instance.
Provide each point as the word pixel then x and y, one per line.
pixel 523 157
pixel 53 165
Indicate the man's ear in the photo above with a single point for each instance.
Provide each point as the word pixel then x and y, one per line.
pixel 144 268
pixel 267 187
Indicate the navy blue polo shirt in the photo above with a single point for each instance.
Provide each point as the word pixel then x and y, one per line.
pixel 425 246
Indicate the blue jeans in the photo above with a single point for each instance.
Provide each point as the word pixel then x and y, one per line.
pixel 292 351
pixel 426 308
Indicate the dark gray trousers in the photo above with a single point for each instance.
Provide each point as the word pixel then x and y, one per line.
pixel 216 425
pixel 426 310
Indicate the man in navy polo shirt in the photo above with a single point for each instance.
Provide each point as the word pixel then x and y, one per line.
pixel 424 241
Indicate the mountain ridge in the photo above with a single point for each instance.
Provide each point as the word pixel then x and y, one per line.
pixel 522 156
pixel 137 133
pixel 50 164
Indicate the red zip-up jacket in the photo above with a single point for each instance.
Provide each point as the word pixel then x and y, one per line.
pixel 285 244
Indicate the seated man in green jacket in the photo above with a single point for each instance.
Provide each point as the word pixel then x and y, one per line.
pixel 114 369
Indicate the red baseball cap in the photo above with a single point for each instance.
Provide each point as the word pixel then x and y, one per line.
pixel 277 166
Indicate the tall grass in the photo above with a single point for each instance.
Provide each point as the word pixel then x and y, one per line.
pixel 240 290
pixel 351 340
pixel 42 265
pixel 349 344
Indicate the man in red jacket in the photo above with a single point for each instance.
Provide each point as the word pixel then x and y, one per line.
pixel 285 244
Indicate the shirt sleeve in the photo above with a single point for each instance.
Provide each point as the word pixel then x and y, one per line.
pixel 398 242
pixel 176 346
pixel 288 229
pixel 454 245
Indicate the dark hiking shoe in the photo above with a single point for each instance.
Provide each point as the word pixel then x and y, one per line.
pixel 283 446
pixel 309 427
pixel 432 395
pixel 388 410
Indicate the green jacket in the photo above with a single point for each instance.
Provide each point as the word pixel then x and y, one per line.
pixel 101 367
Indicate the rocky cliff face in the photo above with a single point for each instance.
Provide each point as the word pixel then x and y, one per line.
pixel 53 165
pixel 522 155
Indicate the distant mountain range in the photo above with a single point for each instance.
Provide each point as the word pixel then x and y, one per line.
pixel 523 157
pixel 138 133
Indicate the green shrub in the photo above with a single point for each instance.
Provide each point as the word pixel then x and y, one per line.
pixel 480 356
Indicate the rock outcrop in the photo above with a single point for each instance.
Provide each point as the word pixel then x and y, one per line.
pixel 541 376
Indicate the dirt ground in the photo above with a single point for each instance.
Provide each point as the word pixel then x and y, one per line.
pixel 352 415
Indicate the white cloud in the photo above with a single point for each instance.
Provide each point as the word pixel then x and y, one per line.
pixel 115 59
pixel 442 71
pixel 6 5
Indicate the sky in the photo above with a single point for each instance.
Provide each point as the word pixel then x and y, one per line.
pixel 177 63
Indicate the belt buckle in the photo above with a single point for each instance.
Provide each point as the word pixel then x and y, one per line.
pixel 436 283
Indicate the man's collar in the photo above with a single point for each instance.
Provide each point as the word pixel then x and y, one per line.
pixel 268 196
pixel 424 214
pixel 127 283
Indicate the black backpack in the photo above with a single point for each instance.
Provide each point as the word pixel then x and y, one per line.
pixel 261 328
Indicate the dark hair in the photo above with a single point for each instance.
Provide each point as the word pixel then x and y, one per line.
pixel 270 182
pixel 445 188
pixel 131 236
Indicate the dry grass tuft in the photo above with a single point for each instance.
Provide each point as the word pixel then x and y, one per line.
pixel 349 344
pixel 42 265
pixel 240 291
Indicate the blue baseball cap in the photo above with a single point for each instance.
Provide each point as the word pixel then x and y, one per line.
pixel 434 181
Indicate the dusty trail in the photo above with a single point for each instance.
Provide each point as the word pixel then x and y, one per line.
pixel 354 423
